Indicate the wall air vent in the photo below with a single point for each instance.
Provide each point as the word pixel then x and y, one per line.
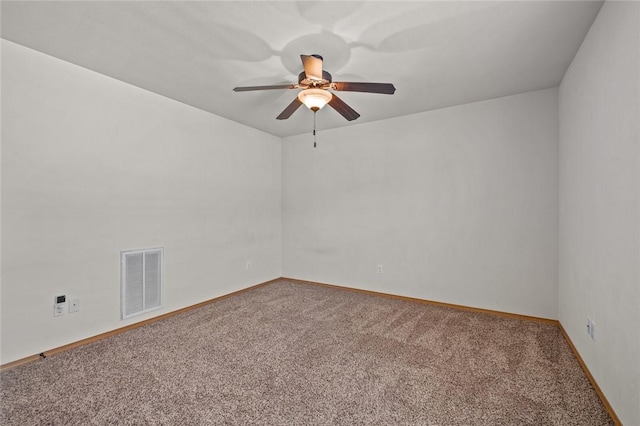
pixel 141 281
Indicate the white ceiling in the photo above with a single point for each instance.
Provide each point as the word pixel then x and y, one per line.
pixel 437 54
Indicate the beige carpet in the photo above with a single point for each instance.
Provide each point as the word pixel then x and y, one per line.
pixel 295 354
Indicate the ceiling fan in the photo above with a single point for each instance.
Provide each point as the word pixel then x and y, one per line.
pixel 316 83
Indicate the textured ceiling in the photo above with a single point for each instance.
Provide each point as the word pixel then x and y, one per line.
pixel 437 54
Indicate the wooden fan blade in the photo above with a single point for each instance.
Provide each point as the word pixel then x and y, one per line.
pixel 384 88
pixel 312 66
pixel 249 88
pixel 290 109
pixel 345 110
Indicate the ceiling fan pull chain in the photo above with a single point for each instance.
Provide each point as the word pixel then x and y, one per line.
pixel 314 128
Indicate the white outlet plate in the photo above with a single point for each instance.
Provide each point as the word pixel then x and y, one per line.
pixel 74 306
pixel 379 269
pixel 248 265
pixel 591 329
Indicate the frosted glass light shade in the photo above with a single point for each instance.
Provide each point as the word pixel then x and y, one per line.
pixel 314 99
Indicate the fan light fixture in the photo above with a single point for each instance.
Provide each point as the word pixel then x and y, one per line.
pixel 315 99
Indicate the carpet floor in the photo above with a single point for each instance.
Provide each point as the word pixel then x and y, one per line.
pixel 297 354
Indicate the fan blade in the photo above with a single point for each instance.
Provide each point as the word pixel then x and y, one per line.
pixel 384 88
pixel 249 88
pixel 345 110
pixel 312 66
pixel 290 109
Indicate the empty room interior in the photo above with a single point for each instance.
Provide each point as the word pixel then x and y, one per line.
pixel 451 236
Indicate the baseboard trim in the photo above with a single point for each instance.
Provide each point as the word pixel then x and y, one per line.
pixel 592 380
pixel 111 333
pixel 428 302
pixel 19 362
pixel 590 377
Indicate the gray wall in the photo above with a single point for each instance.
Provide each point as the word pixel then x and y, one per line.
pixel 92 166
pixel 459 205
pixel 600 204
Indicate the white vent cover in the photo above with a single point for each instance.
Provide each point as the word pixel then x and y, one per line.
pixel 141 272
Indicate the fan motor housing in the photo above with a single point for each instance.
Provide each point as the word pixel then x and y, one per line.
pixel 303 81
